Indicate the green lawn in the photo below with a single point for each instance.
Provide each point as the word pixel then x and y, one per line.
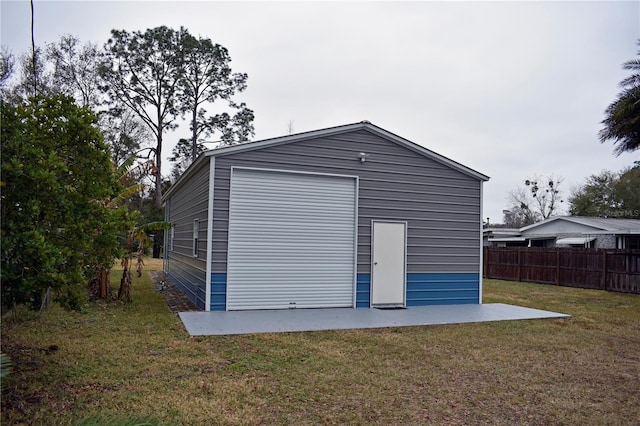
pixel 138 359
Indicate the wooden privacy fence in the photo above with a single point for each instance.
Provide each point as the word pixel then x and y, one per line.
pixel 604 269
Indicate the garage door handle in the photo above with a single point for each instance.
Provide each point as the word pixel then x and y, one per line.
pixel 375 263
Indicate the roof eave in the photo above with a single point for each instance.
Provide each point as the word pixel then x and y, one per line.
pixel 603 228
pixel 615 232
pixel 201 158
pixel 428 153
pixel 281 140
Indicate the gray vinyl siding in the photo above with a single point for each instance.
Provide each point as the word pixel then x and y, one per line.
pixel 440 204
pixel 183 207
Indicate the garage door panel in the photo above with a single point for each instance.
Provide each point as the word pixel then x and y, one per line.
pixel 291 240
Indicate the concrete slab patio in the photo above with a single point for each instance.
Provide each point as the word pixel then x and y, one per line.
pixel 277 321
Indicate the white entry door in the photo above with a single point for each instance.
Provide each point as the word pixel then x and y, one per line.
pixel 388 267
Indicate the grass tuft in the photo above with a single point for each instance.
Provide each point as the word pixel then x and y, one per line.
pixel 118 421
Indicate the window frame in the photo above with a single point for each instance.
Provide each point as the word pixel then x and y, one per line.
pixel 196 231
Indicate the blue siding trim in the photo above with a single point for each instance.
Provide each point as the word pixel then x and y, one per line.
pixel 363 290
pixel 443 289
pixel 422 290
pixel 218 292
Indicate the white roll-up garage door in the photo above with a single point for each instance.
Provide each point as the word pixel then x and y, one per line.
pixel 291 240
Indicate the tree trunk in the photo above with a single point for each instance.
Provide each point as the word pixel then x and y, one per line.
pixel 157 244
pixel 99 285
pixel 104 283
pixel 124 292
pixel 194 136
pixel 158 195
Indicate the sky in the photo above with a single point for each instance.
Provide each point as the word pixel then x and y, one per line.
pixel 510 89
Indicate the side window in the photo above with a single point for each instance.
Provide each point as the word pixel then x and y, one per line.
pixel 172 238
pixel 196 230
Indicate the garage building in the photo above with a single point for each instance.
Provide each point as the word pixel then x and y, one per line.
pixel 349 216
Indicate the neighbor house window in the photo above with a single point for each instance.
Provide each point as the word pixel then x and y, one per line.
pixel 196 230
pixel 172 238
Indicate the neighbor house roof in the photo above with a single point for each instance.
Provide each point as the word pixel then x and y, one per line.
pixel 603 224
pixel 501 231
pixel 363 125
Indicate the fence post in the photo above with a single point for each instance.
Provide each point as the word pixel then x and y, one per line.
pixel 519 264
pixel 557 267
pixel 485 261
pixel 604 270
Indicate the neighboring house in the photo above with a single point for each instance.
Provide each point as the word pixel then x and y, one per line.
pixel 501 237
pixel 572 231
pixel 348 216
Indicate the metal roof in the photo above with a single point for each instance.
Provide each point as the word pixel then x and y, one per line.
pixel 615 225
pixel 330 131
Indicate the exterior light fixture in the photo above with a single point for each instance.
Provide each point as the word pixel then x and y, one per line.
pixel 363 157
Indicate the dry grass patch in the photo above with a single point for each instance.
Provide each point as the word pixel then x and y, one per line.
pixel 119 359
